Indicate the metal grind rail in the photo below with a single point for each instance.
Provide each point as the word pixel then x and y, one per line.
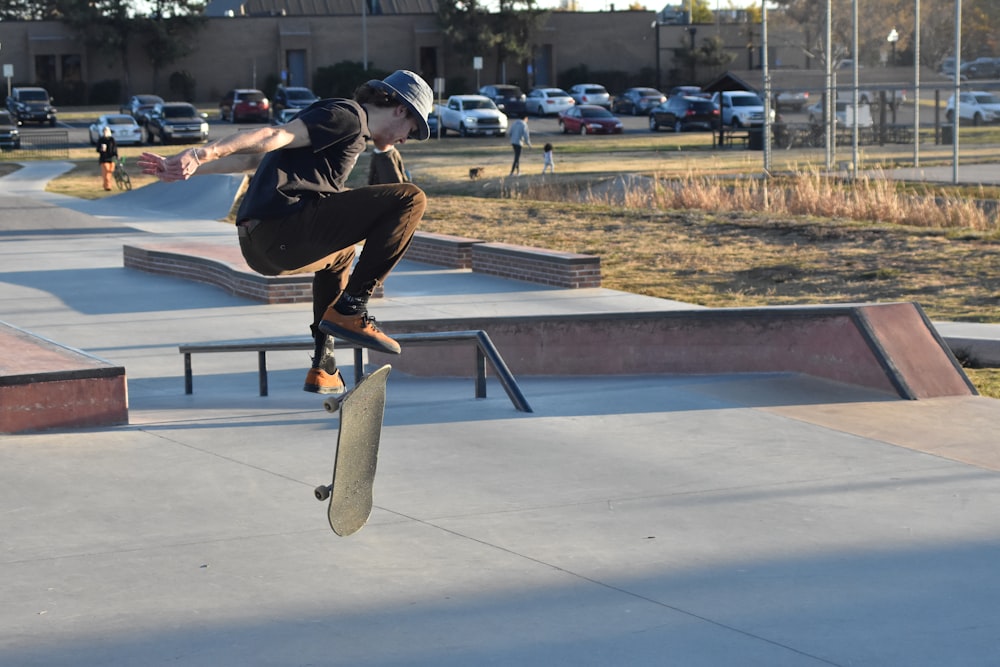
pixel 485 351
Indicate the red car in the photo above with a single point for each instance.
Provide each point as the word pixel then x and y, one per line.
pixel 245 104
pixel 589 119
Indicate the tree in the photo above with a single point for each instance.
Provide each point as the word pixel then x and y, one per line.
pixel 711 54
pixel 110 26
pixel 980 27
pixel 701 12
pixel 472 30
pixel 168 39
pixel 29 10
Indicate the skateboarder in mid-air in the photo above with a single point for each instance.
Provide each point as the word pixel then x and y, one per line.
pixel 297 215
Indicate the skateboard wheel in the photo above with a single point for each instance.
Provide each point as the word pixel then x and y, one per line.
pixel 332 404
pixel 322 492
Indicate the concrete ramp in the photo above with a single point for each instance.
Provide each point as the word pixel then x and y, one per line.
pixel 888 347
pixel 208 197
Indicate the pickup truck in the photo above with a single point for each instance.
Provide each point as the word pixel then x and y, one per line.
pixel 471 115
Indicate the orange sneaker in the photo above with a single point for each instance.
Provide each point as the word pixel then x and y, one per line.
pixel 319 381
pixel 358 328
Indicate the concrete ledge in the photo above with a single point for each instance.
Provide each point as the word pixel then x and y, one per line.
pixel 44 385
pixel 222 266
pixel 547 267
pixel 453 252
pixel 887 347
pixel 219 265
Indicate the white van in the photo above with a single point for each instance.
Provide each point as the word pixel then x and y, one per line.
pixel 845 114
pixel 740 108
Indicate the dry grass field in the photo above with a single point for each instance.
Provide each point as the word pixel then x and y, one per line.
pixel 670 217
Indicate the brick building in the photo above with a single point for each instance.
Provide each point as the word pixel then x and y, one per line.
pixel 250 43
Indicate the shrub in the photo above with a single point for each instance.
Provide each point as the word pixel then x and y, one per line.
pixel 181 85
pixel 106 92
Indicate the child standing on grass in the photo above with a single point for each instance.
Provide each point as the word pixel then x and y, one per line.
pixel 547 161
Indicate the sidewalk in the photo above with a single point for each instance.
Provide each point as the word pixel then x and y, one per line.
pixel 682 520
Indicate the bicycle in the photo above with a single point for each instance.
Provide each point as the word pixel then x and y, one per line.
pixel 122 179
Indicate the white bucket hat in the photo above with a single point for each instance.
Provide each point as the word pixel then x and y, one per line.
pixel 414 93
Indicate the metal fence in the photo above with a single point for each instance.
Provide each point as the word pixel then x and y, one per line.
pixel 43 144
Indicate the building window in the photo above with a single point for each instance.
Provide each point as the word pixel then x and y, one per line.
pixel 45 69
pixel 72 69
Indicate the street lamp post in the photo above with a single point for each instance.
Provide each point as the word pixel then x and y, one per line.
pixel 892 39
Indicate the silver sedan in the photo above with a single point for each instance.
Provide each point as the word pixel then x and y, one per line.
pixel 123 128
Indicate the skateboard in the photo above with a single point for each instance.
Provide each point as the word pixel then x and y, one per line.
pixel 350 493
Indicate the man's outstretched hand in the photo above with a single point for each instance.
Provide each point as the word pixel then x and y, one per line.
pixel 178 167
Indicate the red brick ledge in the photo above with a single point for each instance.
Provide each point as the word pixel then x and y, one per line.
pixel 223 265
pixel 516 262
pixel 890 347
pixel 45 385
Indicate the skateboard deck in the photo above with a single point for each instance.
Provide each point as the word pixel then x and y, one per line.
pixel 361 411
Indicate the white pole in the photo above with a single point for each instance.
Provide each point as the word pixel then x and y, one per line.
pixel 831 90
pixel 916 83
pixel 957 91
pixel 767 88
pixel 854 121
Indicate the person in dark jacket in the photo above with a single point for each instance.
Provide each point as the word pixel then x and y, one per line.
pixel 107 157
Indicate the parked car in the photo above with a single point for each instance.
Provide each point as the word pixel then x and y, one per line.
pixel 31 104
pixel 796 100
pixel 947 66
pixel 432 122
pixel 139 106
pixel 688 91
pixel 842 112
pixel 10 136
pixel 176 121
pixel 591 93
pixel 589 119
pixel 291 97
pixel 509 99
pixel 978 106
pixel 245 104
pixel 740 108
pixel 547 101
pixel 284 116
pixel 471 115
pixel 123 128
pixel 681 113
pixel 638 101
pixel 981 68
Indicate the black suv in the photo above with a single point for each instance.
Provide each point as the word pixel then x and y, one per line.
pixel 10 137
pixel 291 97
pixel 509 99
pixel 31 104
pixel 176 121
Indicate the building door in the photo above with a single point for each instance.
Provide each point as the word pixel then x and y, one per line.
pixel 542 69
pixel 295 63
pixel 428 63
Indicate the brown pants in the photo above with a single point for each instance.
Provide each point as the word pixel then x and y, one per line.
pixel 320 239
pixel 107 174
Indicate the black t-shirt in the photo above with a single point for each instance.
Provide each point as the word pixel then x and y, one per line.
pixel 107 149
pixel 289 178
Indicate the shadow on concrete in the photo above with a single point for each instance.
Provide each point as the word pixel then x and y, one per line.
pixel 119 290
